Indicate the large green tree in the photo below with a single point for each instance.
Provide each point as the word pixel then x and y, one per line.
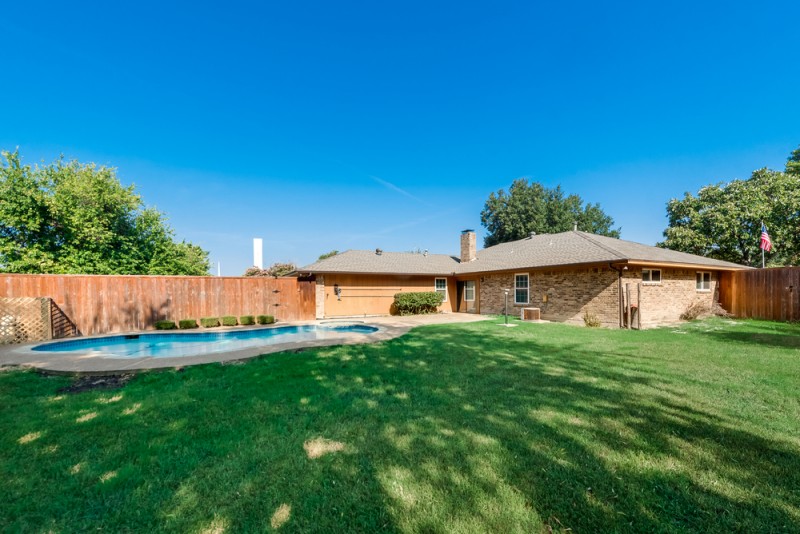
pixel 69 217
pixel 723 220
pixel 531 207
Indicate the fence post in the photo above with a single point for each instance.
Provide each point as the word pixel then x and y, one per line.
pixel 47 316
pixel 639 306
pixel 628 306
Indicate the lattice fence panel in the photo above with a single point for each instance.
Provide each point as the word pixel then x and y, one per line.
pixel 24 319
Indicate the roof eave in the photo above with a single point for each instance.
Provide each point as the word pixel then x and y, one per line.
pixel 540 267
pixel 687 265
pixel 449 273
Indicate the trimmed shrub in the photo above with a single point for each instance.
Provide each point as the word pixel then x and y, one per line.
pixel 417 303
pixel 229 320
pixel 209 322
pixel 265 319
pixel 187 323
pixel 165 325
pixel 247 320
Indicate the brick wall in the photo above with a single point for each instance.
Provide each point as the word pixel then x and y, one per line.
pixel 566 295
pixel 664 302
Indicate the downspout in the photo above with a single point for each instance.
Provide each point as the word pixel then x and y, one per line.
pixel 619 291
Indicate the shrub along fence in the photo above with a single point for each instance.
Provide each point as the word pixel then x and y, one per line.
pixel 772 294
pixel 98 304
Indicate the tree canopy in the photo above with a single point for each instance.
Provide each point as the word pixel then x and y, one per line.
pixel 276 269
pixel 74 218
pixel 327 255
pixel 531 207
pixel 793 162
pixel 723 220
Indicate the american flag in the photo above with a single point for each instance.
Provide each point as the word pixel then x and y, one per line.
pixel 766 242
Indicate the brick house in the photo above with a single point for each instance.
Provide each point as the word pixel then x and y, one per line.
pixel 564 275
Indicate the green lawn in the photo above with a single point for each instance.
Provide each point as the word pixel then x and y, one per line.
pixel 457 428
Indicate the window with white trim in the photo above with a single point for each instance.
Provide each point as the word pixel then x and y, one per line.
pixel 652 276
pixel 521 286
pixel 703 281
pixel 440 286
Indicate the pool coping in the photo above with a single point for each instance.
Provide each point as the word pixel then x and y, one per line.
pixel 98 364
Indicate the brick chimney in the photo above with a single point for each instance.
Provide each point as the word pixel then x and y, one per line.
pixel 469 247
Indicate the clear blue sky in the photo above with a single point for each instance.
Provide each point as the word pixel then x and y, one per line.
pixel 338 125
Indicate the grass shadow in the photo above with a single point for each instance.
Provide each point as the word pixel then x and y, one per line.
pixel 468 428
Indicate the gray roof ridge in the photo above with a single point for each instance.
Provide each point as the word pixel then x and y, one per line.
pixel 588 238
pixel 409 252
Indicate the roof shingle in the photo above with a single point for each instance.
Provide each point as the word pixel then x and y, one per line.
pixel 545 250
pixel 368 262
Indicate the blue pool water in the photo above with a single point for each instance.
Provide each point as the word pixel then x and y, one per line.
pixel 197 343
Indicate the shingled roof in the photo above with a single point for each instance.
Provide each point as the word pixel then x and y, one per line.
pixel 538 251
pixel 574 248
pixel 370 262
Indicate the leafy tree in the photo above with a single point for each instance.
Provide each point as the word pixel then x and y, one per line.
pixel 793 162
pixel 327 255
pixel 532 207
pixel 255 271
pixel 276 269
pixel 723 220
pixel 69 217
pixel 281 269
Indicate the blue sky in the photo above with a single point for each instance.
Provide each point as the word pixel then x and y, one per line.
pixel 338 125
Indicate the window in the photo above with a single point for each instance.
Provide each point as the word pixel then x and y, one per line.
pixel 440 286
pixel 469 290
pixel 651 275
pixel 703 281
pixel 521 289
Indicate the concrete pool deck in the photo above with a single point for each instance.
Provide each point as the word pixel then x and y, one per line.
pixel 89 363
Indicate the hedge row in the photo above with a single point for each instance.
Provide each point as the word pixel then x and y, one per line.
pixel 417 303
pixel 211 322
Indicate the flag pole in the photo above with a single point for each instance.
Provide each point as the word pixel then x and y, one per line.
pixel 762 258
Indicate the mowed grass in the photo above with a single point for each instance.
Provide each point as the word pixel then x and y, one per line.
pixel 453 428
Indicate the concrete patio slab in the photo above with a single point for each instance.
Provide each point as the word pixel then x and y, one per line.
pixel 93 363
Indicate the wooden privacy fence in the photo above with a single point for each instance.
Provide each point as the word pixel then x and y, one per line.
pixel 772 294
pixel 99 304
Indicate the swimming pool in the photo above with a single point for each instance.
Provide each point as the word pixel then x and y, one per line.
pixel 172 345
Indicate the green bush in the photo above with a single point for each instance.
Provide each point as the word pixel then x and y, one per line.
pixel 265 319
pixel 417 303
pixel 187 323
pixel 209 322
pixel 229 320
pixel 165 325
pixel 247 320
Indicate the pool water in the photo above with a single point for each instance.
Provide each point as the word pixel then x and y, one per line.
pixel 197 343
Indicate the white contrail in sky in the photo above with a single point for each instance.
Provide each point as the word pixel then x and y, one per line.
pixel 390 185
